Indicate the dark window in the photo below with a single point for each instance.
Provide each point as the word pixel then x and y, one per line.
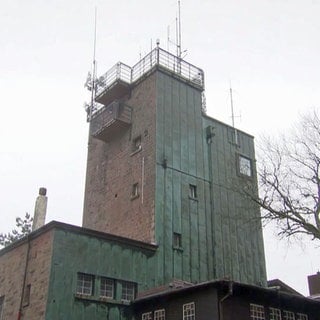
pixel 1 306
pixel 135 190
pixel 177 240
pixel 128 291
pixel 192 191
pixel 107 288
pixel 85 284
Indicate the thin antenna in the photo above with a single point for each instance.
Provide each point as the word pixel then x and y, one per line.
pixel 94 65
pixel 179 33
pixel 232 115
pixel 168 38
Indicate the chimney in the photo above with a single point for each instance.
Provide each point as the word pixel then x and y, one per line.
pixel 314 284
pixel 40 209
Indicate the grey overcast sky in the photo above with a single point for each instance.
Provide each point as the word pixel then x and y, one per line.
pixel 268 49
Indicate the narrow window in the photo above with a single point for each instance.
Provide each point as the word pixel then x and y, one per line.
pixel 136 144
pixel 147 316
pixel 26 295
pixel 275 314
pixel 177 243
pixel 107 288
pixel 257 312
pixel 1 306
pixel 245 166
pixel 160 314
pixel 192 191
pixel 85 284
pixel 189 311
pixel 135 191
pixel 288 315
pixel 128 291
pixel 302 316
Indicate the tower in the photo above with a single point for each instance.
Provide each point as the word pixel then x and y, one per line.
pixel 161 171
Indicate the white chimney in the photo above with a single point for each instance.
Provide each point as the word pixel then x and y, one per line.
pixel 40 209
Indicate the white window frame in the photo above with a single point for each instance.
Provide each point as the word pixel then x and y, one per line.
pixel 193 191
pixel 257 312
pixel 302 316
pixel 189 311
pixel 146 316
pixel 85 284
pixel 275 314
pixel 288 315
pixel 128 291
pixel 160 314
pixel 106 288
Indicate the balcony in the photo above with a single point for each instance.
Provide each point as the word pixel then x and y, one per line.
pixel 110 121
pixel 114 84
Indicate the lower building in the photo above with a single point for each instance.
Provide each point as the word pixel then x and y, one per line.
pixel 225 300
pixel 63 272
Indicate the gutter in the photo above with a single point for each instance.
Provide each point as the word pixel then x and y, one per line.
pixel 228 295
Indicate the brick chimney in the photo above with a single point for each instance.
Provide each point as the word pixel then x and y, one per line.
pixel 40 209
pixel 314 284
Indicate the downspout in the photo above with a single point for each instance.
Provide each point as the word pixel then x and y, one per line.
pixel 228 295
pixel 24 278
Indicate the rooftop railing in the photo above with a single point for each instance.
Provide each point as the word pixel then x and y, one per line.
pixel 157 57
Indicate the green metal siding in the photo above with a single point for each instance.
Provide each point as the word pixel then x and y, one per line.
pixel 221 233
pixel 73 253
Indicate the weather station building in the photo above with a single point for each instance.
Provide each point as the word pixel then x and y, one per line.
pixel 166 233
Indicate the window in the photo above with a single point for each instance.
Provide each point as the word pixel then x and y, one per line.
pixel 1 306
pixel 160 314
pixel 275 314
pixel 192 191
pixel 128 291
pixel 106 288
pixel 136 144
pixel 256 312
pixel 302 316
pixel 85 284
pixel 135 191
pixel 177 240
pixel 189 311
pixel 26 295
pixel 147 316
pixel 245 166
pixel 288 315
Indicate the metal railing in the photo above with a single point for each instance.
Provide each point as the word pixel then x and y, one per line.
pixel 157 57
pixel 106 115
pixel 119 71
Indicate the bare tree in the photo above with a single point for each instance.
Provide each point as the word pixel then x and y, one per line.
pixel 23 228
pixel 289 179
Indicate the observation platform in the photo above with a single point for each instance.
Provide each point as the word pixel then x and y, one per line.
pixel 108 115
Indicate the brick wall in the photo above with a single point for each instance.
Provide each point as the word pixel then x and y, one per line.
pixel 12 269
pixel 113 168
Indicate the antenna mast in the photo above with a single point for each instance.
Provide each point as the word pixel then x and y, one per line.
pixel 94 65
pixel 232 116
pixel 179 31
